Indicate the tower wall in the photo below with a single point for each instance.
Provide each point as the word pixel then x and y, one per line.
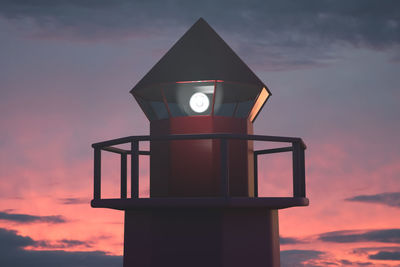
pixel 218 237
pixel 192 168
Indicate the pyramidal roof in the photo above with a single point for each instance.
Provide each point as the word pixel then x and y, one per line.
pixel 200 54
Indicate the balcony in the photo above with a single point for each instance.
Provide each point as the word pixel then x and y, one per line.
pixel 124 202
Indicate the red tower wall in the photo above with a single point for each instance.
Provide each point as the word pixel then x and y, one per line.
pixel 192 168
pixel 212 237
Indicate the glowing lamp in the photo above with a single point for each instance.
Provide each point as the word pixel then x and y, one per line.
pixel 199 102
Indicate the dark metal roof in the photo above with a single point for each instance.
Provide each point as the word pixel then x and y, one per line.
pixel 200 54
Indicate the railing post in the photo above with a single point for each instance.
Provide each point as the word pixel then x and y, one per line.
pixel 97 173
pixel 302 170
pixel 123 175
pixel 135 169
pixel 298 170
pixel 224 168
pixel 255 174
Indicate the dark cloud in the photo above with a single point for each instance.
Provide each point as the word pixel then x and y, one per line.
pixel 384 236
pixel 12 253
pixel 295 32
pixel 26 218
pixel 379 253
pixel 389 199
pixel 352 263
pixel 346 262
pixel 10 240
pixel 64 243
pixel 385 255
pixel 316 258
pixel 17 241
pixel 367 250
pixel 73 243
pixel 361 21
pixel 74 201
pixel 289 240
pixel 299 257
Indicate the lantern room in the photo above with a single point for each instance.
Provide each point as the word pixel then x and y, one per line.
pixel 202 98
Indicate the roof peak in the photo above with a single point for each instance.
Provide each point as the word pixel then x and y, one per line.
pixel 200 54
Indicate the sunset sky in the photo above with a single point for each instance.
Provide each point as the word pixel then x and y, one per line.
pixel 66 69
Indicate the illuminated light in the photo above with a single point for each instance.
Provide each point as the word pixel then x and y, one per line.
pixel 199 102
pixel 259 103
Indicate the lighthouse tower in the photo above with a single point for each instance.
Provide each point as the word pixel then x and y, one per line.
pixel 204 210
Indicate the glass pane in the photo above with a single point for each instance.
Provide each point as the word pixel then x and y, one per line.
pixel 189 99
pixel 147 109
pixel 176 111
pixel 262 97
pixel 243 109
pixel 224 105
pixel 226 109
pixel 159 109
pixel 196 98
pixel 151 101
pixel 234 99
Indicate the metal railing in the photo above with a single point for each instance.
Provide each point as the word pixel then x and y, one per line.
pixel 297 147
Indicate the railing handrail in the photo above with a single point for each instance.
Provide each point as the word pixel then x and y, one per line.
pixel 297 150
pixel 128 139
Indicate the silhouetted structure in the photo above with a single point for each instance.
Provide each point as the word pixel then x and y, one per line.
pixel 204 209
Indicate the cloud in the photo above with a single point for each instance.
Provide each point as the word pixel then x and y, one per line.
pixel 26 218
pixel 10 240
pixel 12 253
pixel 354 263
pixel 74 201
pixel 289 240
pixel 64 243
pixel 17 241
pixel 71 242
pixel 379 253
pixel 299 257
pixel 358 21
pixel 299 33
pixel 384 236
pixel 385 255
pixel 367 250
pixel 389 199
